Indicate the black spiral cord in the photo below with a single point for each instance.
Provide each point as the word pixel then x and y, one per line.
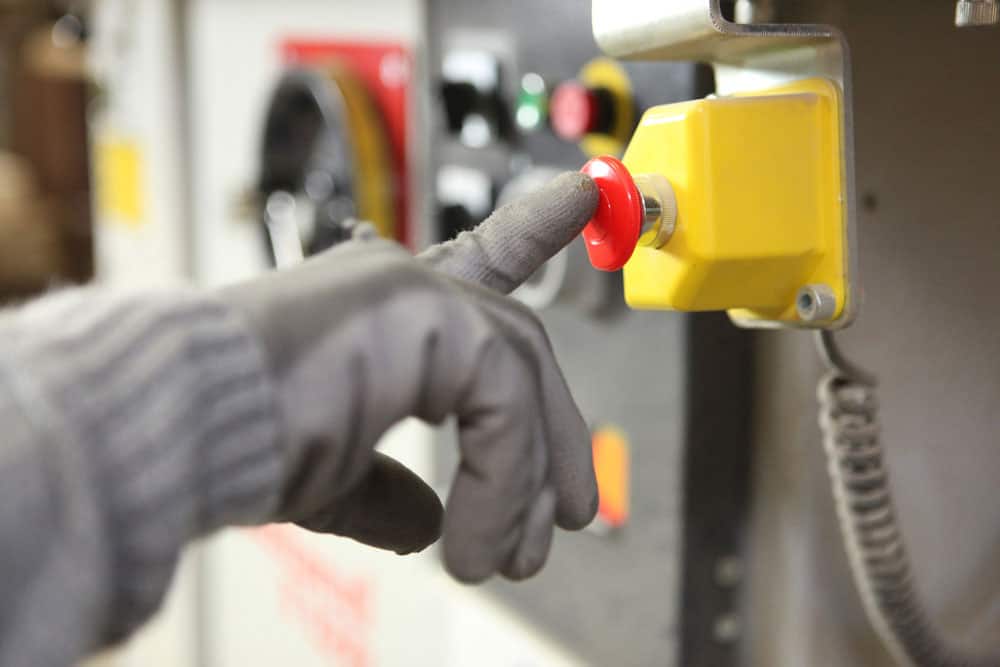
pixel 871 532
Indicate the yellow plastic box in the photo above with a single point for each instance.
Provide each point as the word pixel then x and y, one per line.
pixel 761 206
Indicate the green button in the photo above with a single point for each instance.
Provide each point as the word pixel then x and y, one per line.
pixel 531 111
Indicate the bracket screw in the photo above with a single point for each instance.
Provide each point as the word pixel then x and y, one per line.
pixel 815 303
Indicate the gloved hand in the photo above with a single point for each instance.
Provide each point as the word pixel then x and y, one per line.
pixel 365 335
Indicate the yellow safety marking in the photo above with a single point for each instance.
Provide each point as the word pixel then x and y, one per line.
pixel 120 174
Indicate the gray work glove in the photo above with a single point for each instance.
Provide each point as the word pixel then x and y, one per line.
pixel 365 335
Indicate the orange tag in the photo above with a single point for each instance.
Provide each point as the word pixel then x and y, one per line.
pixel 611 464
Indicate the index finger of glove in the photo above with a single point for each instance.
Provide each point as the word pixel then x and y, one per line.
pixel 514 242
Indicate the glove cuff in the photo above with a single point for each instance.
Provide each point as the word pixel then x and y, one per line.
pixel 165 407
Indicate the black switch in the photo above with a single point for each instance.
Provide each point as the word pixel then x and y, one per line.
pixel 471 95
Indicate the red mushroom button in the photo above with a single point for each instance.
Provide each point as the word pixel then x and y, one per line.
pixel 612 234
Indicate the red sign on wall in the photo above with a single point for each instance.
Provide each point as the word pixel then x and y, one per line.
pixel 335 608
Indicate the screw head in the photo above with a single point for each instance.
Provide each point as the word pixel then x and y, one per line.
pixel 816 303
pixel 727 628
pixel 729 571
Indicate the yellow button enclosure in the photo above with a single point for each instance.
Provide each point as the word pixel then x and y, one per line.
pixel 761 207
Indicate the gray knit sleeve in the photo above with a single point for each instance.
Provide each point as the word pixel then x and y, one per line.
pixel 128 426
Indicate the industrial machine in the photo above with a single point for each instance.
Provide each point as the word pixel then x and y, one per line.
pixel 769 233
pixel 769 186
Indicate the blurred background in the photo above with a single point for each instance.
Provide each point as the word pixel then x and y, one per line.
pixel 149 143
pixel 45 224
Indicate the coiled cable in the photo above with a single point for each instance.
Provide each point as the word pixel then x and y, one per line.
pixel 872 536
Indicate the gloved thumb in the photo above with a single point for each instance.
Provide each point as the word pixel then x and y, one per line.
pixel 392 508
pixel 514 242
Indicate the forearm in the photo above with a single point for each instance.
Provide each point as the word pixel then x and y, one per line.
pixel 131 425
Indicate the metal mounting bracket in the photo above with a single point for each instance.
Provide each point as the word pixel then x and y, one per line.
pixel 745 58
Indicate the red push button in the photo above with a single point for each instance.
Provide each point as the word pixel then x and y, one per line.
pixel 613 232
pixel 573 111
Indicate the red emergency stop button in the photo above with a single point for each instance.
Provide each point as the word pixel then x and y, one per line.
pixel 613 232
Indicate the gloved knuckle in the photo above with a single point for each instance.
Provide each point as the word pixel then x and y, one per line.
pixel 533 328
pixel 525 314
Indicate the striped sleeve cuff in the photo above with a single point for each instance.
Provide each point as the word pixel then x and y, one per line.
pixel 169 399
